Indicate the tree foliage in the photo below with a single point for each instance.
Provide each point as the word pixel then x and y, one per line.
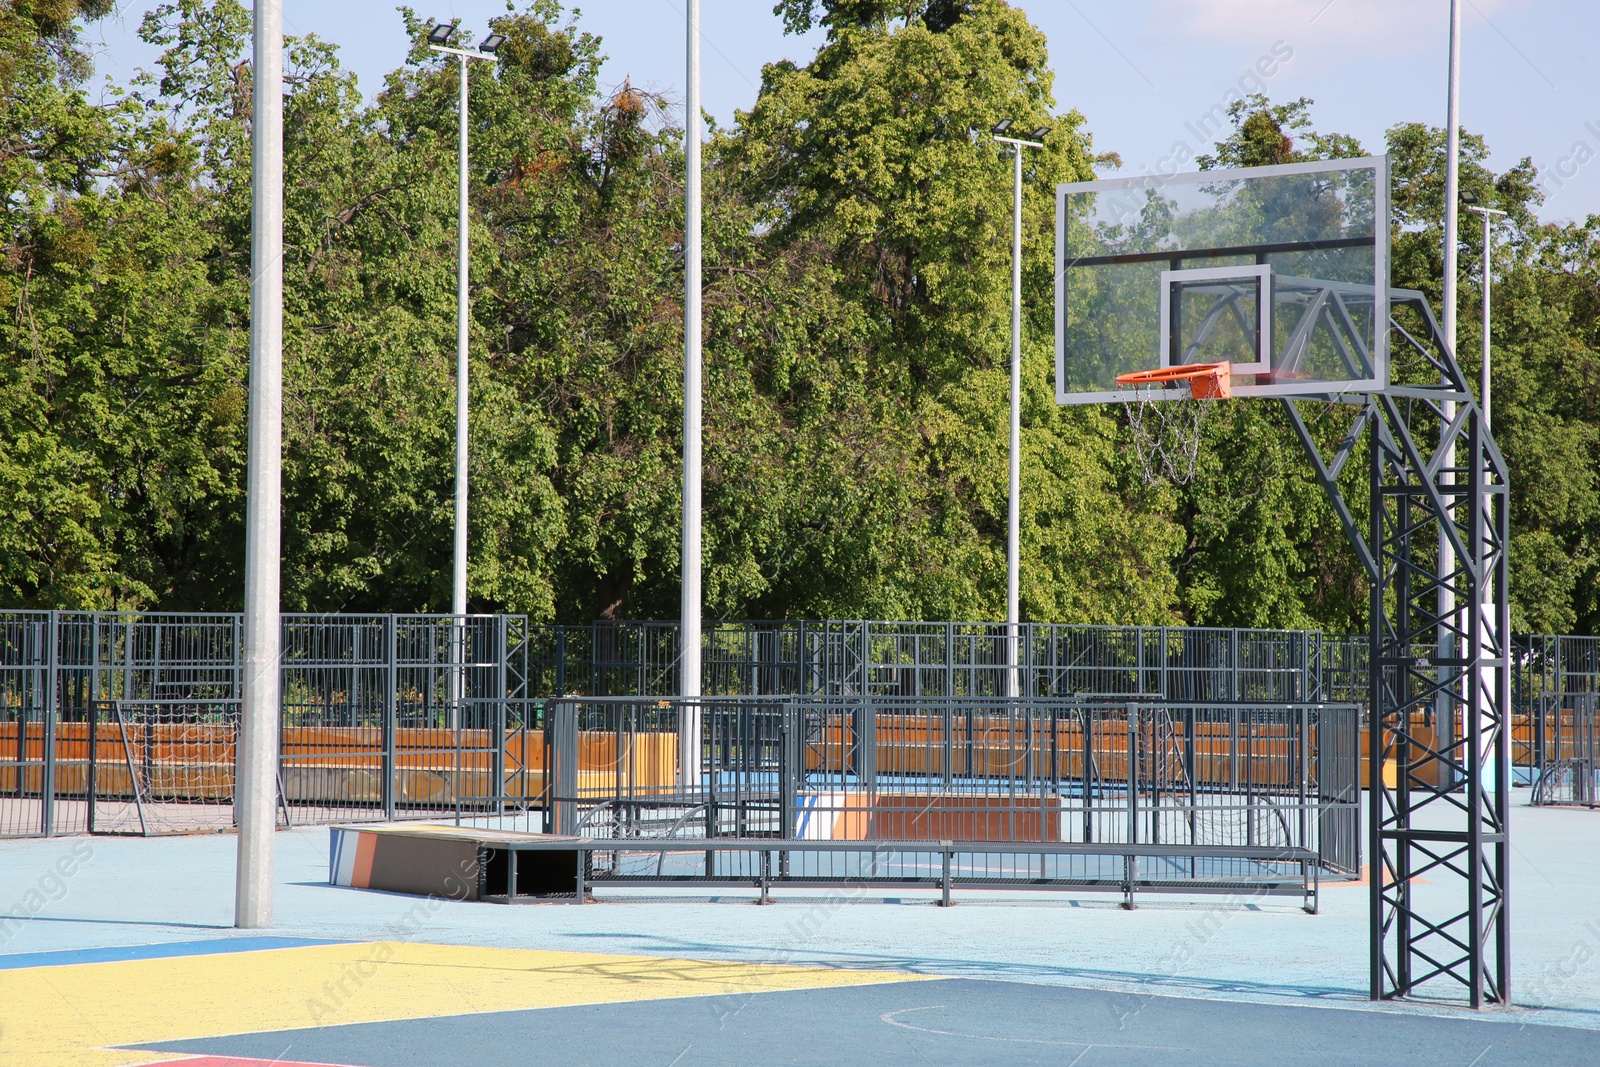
pixel 857 315
pixel 1275 554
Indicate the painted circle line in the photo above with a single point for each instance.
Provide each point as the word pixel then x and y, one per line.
pixel 890 1018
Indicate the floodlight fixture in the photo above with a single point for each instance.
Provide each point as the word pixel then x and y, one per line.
pixel 441 33
pixel 1469 198
pixel 1002 126
pixel 491 44
pixel 1039 133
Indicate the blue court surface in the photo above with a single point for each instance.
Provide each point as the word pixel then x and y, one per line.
pixel 132 960
pixel 916 1024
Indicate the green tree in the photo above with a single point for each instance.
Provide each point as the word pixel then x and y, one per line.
pixel 1265 547
pixel 113 426
pixel 1546 291
pixel 1546 294
pixel 857 340
pixel 868 163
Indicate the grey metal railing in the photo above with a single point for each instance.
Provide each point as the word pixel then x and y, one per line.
pixel 377 717
pixel 1202 776
pixel 1566 749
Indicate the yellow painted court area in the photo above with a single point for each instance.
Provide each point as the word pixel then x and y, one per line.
pixel 68 1016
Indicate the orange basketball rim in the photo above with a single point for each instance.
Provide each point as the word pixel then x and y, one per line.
pixel 1207 381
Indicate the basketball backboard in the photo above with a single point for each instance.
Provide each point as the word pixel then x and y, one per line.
pixel 1281 271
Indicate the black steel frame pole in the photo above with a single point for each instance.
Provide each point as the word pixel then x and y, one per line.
pixel 1435 477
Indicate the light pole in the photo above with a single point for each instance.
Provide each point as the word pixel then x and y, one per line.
pixel 256 774
pixel 1470 201
pixel 439 38
pixel 690 593
pixel 1035 139
pixel 1444 706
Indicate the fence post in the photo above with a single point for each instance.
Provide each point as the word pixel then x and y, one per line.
pixel 1233 749
pixel 949 660
pixel 1304 692
pixel 1130 862
pixel 1539 704
pixel 1233 664
pixel 1164 650
pixel 47 786
pixel 391 702
pixel 791 768
pixel 1189 771
pixel 1089 717
pixel 708 783
pixel 867 747
pixel 94 738
pixel 1133 774
pixel 1584 750
pixel 502 694
pixel 561 661
pixel 1305 773
pixel 498 758
pixel 127 658
pixel 947 748
pixel 1138 661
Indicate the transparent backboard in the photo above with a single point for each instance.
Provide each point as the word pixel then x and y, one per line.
pixel 1282 271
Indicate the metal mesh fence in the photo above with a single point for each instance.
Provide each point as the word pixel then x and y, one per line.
pixel 390 716
pixel 858 657
pixel 1199 776
pixel 383 717
pixel 1553 677
pixel 1566 749
pixel 26 751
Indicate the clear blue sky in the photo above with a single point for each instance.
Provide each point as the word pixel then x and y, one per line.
pixel 1140 70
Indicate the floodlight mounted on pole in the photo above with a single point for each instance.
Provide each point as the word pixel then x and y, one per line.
pixel 256 772
pixel 439 38
pixel 689 606
pixel 1035 139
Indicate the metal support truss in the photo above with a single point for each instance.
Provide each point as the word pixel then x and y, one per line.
pixel 1438 738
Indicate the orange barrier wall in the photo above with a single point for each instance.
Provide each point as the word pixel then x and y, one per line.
pixel 1424 768
pixel 327 763
pixel 906 817
pixel 994 746
pixel 914 745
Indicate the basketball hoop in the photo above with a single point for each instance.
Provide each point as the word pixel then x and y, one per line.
pixel 1166 418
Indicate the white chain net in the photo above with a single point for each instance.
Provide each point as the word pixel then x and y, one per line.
pixel 1166 433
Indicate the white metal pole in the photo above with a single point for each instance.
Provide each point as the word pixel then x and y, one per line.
pixel 255 788
pixel 1446 707
pixel 689 680
pixel 1013 514
pixel 1452 164
pixel 1489 625
pixel 458 600
pixel 1483 372
pixel 458 597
